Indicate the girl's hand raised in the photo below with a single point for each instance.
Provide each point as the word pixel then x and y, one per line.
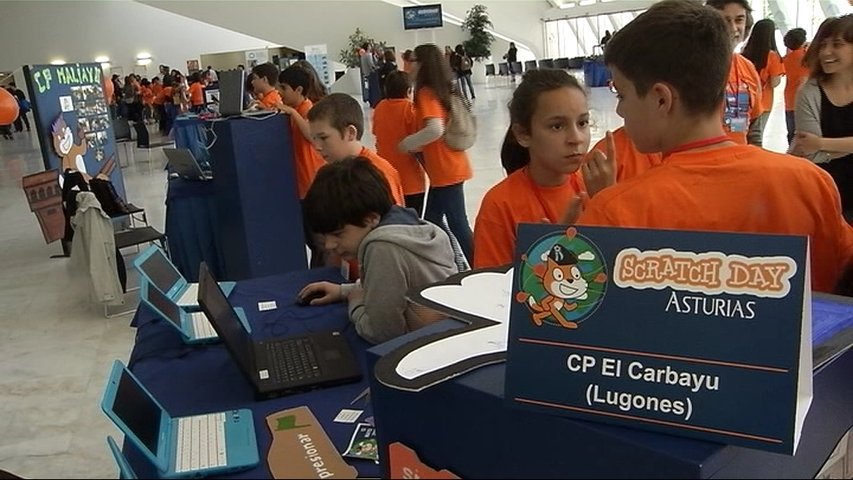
pixel 599 170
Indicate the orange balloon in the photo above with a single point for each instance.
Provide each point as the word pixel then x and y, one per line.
pixel 8 107
pixel 109 90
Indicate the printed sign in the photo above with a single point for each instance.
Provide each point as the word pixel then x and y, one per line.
pixel 73 120
pixel 422 16
pixel 301 449
pixel 706 335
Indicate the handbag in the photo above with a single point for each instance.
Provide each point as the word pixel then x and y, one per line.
pixel 461 130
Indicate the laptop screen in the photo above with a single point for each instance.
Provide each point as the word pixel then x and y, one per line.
pixel 160 271
pixel 167 307
pixel 224 320
pixel 138 411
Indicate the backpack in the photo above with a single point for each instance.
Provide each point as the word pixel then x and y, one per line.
pixel 465 63
pixel 460 132
pixel 24 105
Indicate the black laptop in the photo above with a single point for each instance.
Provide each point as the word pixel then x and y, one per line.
pixel 278 366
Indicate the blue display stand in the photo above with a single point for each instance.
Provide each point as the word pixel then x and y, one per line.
pixel 595 73
pixel 259 214
pixel 464 426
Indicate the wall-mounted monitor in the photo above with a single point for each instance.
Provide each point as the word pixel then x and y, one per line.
pixel 422 16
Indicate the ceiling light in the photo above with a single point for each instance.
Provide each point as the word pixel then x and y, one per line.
pixel 102 59
pixel 57 61
pixel 143 61
pixel 143 56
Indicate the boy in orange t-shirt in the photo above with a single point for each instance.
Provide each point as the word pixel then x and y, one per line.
pixel 293 85
pixel 796 73
pixel 393 120
pixel 629 161
pixel 264 81
pixel 196 93
pixel 337 125
pixel 670 92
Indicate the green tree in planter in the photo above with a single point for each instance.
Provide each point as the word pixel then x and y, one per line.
pixel 349 56
pixel 476 21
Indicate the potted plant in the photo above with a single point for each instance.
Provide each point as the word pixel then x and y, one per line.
pixel 478 46
pixel 349 55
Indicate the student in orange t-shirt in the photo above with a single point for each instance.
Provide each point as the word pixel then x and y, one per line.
pixel 394 119
pixel 549 133
pixel 705 181
pixel 629 161
pixel 761 50
pixel 796 73
pixel 337 125
pixel 147 98
pixel 741 104
pixel 264 81
pixel 293 83
pixel 196 93
pixel 448 169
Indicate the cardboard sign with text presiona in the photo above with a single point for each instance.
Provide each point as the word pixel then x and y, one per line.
pixel 700 334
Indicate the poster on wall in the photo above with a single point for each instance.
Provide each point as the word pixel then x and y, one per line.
pixel 72 120
pixel 256 57
pixel 318 57
pixel 192 66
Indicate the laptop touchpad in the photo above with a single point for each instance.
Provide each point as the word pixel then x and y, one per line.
pixel 331 354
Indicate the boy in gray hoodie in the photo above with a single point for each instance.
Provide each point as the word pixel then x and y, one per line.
pixel 350 204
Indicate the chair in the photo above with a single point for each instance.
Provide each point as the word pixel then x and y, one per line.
pixel 562 63
pixel 546 63
pixel 517 68
pixel 490 70
pixel 530 65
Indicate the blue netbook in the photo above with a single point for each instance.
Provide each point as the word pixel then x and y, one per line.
pixel 124 470
pixel 194 327
pixel 156 268
pixel 199 445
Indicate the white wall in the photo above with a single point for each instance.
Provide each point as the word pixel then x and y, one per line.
pixel 299 23
pixel 33 32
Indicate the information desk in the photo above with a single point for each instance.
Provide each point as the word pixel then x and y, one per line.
pixel 194 380
pixel 464 426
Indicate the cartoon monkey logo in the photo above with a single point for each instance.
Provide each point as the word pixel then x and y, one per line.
pixel 565 286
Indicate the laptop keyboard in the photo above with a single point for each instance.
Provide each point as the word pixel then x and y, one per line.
pixel 201 442
pixel 201 326
pixel 293 360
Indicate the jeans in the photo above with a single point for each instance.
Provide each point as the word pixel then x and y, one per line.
pixel 449 202
pixel 465 79
pixel 789 121
pixel 755 135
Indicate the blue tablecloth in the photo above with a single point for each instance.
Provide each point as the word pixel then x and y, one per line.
pixel 194 380
pixel 191 220
pixel 190 132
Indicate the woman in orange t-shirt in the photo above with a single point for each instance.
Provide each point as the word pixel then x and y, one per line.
pixel 796 73
pixel 761 50
pixel 447 169
pixel 544 148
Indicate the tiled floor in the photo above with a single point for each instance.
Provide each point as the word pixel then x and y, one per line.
pixel 56 346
